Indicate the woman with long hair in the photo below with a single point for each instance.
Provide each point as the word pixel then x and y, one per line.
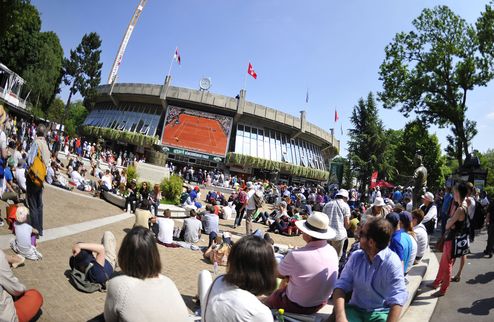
pixel 141 293
pixel 406 225
pixel 455 225
pixel 251 272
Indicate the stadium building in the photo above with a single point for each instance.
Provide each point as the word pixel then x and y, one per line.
pixel 195 127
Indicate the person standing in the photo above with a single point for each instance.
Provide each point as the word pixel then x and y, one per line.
pixel 250 209
pixel 489 221
pixel 34 193
pixel 338 213
pixel 455 225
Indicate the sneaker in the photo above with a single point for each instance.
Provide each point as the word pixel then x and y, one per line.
pixel 2 223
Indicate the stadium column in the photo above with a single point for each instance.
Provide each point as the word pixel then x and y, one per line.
pixel 240 105
pixel 164 90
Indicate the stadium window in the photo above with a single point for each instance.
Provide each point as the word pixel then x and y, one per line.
pixel 278 147
pixel 260 143
pixel 296 154
pixel 289 151
pixel 246 146
pixel 266 145
pixel 253 142
pixel 239 139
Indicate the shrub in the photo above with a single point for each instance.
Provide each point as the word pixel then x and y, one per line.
pixel 171 189
pixel 131 173
pixel 489 191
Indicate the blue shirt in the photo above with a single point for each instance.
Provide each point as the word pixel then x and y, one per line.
pixel 448 198
pixel 8 174
pixel 193 195
pixel 397 196
pixel 376 285
pixel 401 244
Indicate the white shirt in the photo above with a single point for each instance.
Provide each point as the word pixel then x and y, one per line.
pixel 77 178
pixel 422 239
pixel 251 204
pixel 413 253
pixel 106 180
pixel 471 208
pixel 20 177
pixel 336 211
pixel 165 234
pixel 49 175
pixel 228 303
pixel 23 237
pixel 431 214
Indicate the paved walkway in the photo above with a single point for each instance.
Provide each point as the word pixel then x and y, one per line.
pixel 472 299
pixel 85 219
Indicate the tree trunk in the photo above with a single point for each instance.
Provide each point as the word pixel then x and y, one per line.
pixel 462 142
pixel 67 107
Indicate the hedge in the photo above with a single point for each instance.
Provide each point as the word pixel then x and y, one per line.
pixel 116 135
pixel 250 161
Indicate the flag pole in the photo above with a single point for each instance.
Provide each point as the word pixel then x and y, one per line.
pixel 245 81
pixel 171 63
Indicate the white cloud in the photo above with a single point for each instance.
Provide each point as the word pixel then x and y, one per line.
pixel 490 116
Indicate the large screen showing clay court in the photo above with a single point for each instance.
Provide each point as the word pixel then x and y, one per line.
pixel 197 131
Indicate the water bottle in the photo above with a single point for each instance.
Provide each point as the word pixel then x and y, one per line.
pixel 215 268
pixel 281 315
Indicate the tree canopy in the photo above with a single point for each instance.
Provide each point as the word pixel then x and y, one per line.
pixel 83 67
pixel 367 142
pixel 431 69
pixel 36 56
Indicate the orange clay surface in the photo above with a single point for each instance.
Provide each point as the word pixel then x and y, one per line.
pixel 196 133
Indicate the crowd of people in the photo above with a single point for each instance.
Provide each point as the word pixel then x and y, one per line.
pixel 366 280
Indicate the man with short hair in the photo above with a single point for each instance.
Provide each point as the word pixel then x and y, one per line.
pixel 34 193
pixel 375 276
pixel 311 271
pixel 338 213
pixel 192 228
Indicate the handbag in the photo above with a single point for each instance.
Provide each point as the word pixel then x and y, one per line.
pixel 461 245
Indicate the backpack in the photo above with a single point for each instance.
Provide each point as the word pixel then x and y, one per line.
pixel 258 198
pixel 37 170
pixel 183 197
pixel 82 283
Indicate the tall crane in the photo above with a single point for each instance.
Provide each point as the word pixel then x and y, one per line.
pixel 125 41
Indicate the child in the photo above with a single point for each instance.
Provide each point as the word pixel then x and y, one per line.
pixel 25 239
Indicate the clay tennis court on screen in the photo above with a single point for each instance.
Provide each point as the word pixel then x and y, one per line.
pixel 207 133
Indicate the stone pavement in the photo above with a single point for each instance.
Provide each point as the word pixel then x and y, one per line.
pixel 62 301
pixel 472 299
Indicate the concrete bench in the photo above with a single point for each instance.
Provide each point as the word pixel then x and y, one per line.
pixel 176 211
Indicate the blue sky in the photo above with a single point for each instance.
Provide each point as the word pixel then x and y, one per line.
pixel 333 48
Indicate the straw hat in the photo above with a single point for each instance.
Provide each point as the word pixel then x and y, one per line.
pixel 317 226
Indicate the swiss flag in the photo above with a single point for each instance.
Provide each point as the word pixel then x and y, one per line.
pixel 336 117
pixel 251 71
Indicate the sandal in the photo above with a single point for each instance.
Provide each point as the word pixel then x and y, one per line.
pixel 455 279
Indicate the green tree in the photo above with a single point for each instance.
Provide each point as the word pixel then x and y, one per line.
pixel 44 76
pixel 56 110
pixel 83 67
pixel 431 69
pixel 367 142
pixel 20 24
pixel 417 138
pixel 77 113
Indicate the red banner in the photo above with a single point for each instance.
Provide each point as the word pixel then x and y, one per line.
pixel 373 182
